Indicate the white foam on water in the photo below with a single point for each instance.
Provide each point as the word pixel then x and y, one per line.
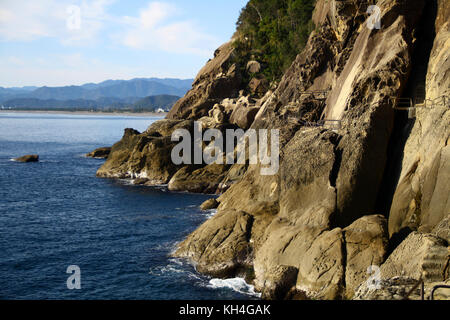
pixel 211 213
pixel 126 182
pixel 236 284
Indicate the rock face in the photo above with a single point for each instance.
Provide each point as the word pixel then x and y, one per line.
pixel 220 248
pixel 28 158
pixel 420 256
pixel 345 197
pixel 366 245
pixel 100 153
pixel 219 79
pixel 146 155
pixel 422 197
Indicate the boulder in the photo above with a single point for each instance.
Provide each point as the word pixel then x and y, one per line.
pixel 243 117
pixel 218 79
pixel 253 66
pixel 209 204
pixel 28 158
pixel 220 247
pixel 280 280
pixel 202 180
pixel 258 86
pixel 366 243
pixel 100 153
pixel 321 266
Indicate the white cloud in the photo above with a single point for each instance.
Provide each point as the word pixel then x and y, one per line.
pixel 30 20
pixel 156 29
pixel 158 26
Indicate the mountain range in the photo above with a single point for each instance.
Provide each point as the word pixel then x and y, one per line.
pixel 115 94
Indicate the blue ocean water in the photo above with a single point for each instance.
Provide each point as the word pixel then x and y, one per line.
pixel 56 213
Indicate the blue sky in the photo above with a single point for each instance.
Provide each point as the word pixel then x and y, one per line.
pixel 71 42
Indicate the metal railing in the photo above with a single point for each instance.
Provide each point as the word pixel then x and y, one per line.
pixel 327 123
pixel 437 288
pixel 421 283
pixel 316 95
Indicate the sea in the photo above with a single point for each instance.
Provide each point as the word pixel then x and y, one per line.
pixel 56 215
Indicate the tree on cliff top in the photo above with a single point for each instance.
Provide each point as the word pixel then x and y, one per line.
pixel 274 32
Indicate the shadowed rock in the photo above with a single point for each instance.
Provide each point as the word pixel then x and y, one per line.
pixel 28 158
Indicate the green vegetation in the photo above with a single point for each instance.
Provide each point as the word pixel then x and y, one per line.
pixel 273 32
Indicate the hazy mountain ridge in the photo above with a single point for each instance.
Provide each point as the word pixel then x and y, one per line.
pixel 148 93
pixel 120 89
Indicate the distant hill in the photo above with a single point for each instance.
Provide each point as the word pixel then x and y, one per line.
pixel 154 103
pixel 133 104
pixel 117 89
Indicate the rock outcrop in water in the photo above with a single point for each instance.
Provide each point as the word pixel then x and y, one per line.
pixel 100 153
pixel 349 191
pixel 28 158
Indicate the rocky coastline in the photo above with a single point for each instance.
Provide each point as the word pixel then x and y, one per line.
pixel 369 197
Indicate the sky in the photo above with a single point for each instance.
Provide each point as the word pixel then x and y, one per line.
pixel 72 42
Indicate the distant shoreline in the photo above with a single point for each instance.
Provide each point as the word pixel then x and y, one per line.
pixel 89 113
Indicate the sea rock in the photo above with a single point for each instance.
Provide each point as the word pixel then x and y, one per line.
pixel 203 180
pixel 146 155
pixel 280 280
pixel 220 248
pixel 140 181
pixel 100 153
pixel 321 266
pixel 28 158
pixel 209 204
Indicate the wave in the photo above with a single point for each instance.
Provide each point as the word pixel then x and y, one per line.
pixel 236 284
pixel 210 213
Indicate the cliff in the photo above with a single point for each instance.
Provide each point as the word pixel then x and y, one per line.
pixel 366 186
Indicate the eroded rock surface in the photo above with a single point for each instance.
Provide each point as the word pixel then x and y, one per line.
pixel 314 228
pixel 100 153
